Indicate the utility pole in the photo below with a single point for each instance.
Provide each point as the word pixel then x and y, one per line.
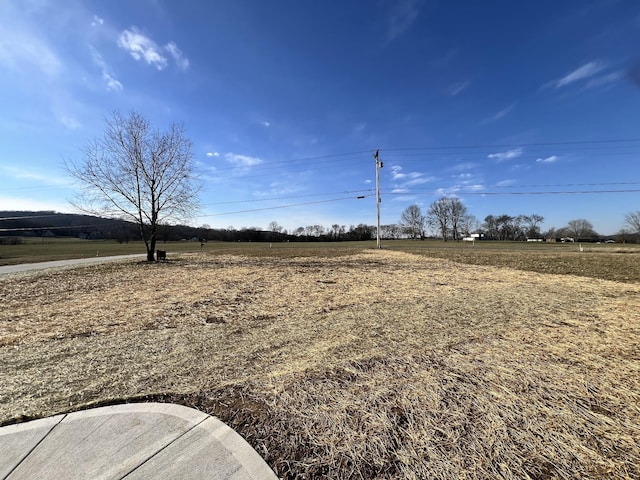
pixel 379 165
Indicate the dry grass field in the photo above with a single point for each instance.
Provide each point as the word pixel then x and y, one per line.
pixel 350 363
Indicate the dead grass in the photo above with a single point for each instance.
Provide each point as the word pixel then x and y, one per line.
pixel 375 364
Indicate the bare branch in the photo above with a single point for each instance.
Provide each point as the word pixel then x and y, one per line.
pixel 147 176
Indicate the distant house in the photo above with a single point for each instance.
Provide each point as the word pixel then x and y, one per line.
pixel 473 237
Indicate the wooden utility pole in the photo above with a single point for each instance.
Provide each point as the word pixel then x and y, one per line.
pixel 379 165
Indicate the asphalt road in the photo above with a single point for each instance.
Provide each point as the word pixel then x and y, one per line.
pixel 28 267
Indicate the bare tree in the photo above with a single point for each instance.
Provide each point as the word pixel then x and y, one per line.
pixel 438 216
pixel 532 225
pixel 632 222
pixel 580 228
pixel 491 227
pixel 144 175
pixel 467 224
pixel 413 221
pixel 275 227
pixel 456 211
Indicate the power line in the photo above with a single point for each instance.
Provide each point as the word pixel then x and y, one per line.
pixel 286 206
pixel 288 197
pixel 564 192
pixel 599 184
pixel 293 160
pixel 515 145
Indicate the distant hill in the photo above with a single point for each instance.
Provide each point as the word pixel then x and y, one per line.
pixel 54 224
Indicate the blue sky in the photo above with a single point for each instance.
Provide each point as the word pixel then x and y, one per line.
pixel 496 102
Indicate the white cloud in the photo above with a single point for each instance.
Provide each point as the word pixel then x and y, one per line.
pixel 461 167
pixel 242 160
pixel 396 172
pixel 176 53
pixel 505 183
pixel 46 178
pixel 419 180
pixel 141 47
pixel 21 51
pixel 97 21
pixel 408 179
pixel 69 122
pixel 213 154
pixel 265 124
pixel 587 70
pixel 604 80
pixel 402 16
pixel 368 181
pixel 112 83
pixel 449 191
pixel 508 155
pixel 458 87
pixel 551 159
pixel 502 113
pixel 463 176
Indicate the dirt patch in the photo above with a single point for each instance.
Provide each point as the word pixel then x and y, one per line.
pixel 376 364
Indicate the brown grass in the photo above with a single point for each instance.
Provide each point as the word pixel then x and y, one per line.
pixel 372 364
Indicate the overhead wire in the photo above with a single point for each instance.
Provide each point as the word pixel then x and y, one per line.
pixel 277 207
pixel 322 161
pixel 545 192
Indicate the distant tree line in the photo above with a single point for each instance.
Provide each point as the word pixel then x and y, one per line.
pixel 448 219
pixel 51 224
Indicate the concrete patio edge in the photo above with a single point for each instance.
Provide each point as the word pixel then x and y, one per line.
pixel 133 441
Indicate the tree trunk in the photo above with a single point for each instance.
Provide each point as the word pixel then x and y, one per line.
pixel 151 249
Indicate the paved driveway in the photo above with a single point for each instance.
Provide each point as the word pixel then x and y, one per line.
pixel 27 267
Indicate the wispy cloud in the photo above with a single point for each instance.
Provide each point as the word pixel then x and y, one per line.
pixel 461 167
pixel 508 155
pixel 143 48
pixel 604 80
pixel 506 183
pixel 408 179
pixel 69 122
pixel 402 15
pixel 96 21
pixel 502 113
pixel 176 53
pixel 23 52
pixel 265 124
pixel 396 172
pixel 45 178
pixel 238 160
pixel 584 72
pixel 213 154
pixel 109 79
pixel 550 159
pixel 457 88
